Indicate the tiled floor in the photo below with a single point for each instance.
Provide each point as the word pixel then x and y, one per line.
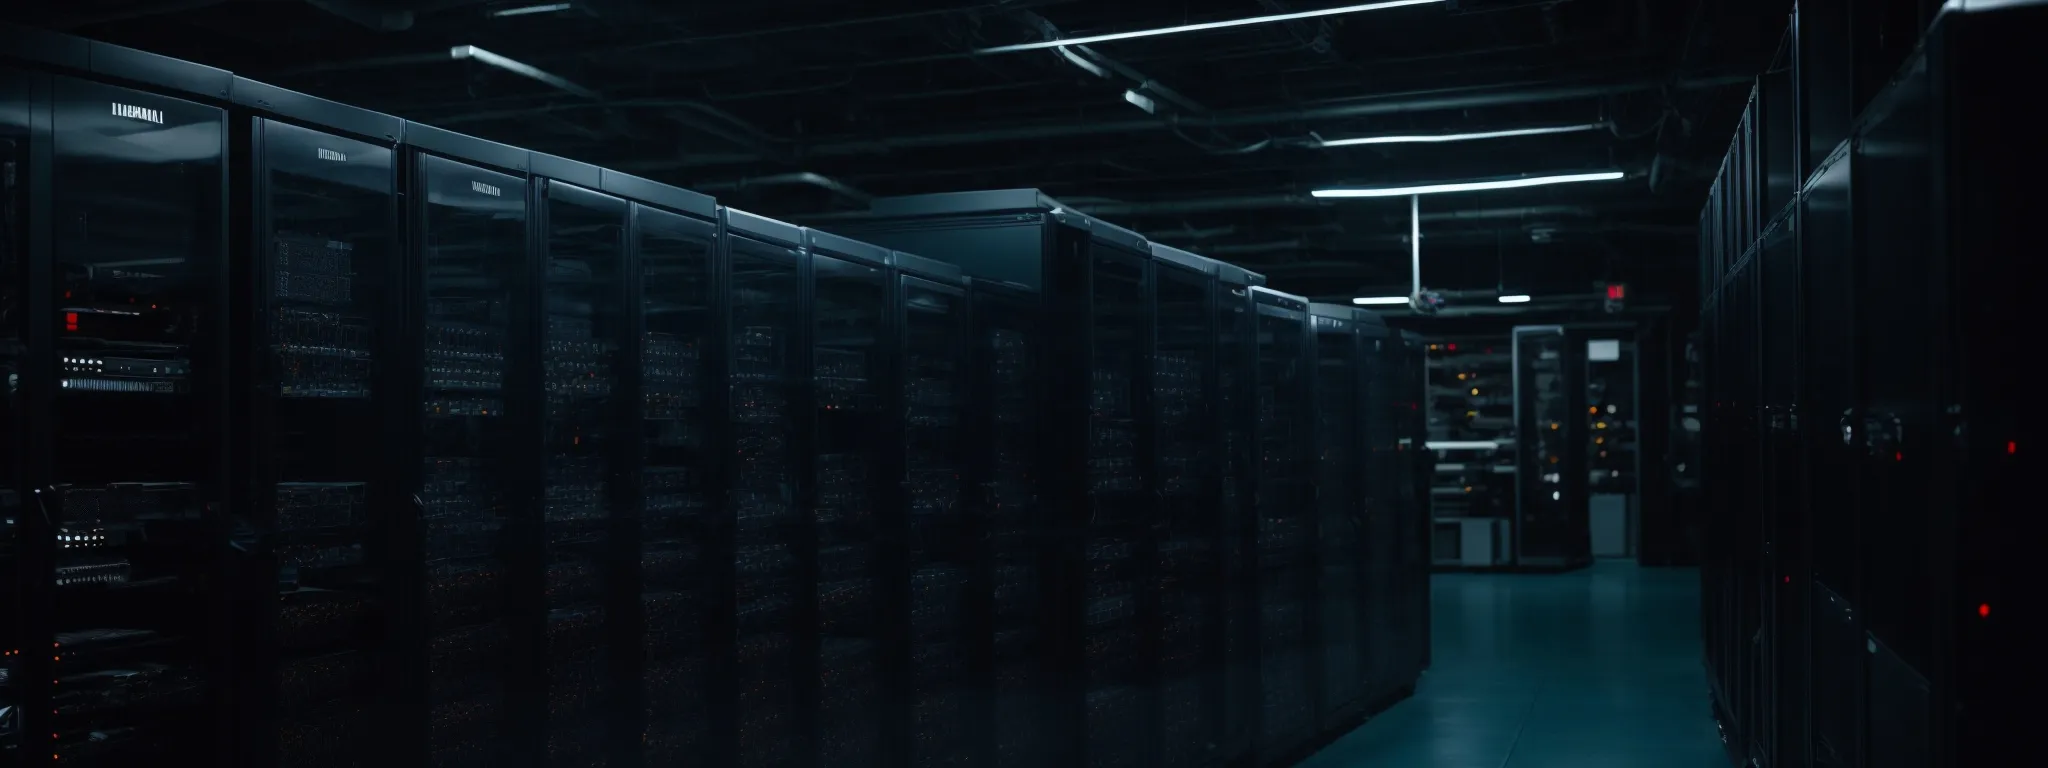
pixel 1599 668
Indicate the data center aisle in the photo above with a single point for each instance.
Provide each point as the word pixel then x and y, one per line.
pixel 1600 668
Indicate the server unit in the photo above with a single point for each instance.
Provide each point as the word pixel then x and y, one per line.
pixel 1236 402
pixel 115 242
pixel 1287 521
pixel 1550 480
pixel 1349 582
pixel 1404 395
pixel 1091 286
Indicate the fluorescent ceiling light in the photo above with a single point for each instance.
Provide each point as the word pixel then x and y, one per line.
pixel 1371 300
pixel 520 68
pixel 1449 137
pixel 1514 299
pixel 1085 64
pixel 1469 186
pixel 1461 445
pixel 1142 101
pixel 529 10
pixel 1206 26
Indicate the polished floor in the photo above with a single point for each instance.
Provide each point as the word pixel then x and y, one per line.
pixel 1599 668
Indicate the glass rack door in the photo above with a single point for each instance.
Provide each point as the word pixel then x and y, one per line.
pixel 15 424
pixel 939 549
pixel 676 372
pixel 138 462
pixel 1008 412
pixel 474 257
pixel 1237 400
pixel 849 303
pixel 583 330
pixel 1543 522
pixel 1118 518
pixel 1186 577
pixel 329 236
pixel 1284 527
pixel 766 298
pixel 1346 594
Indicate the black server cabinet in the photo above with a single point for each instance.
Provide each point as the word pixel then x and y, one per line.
pixel 1092 287
pixel 1237 403
pixel 1386 407
pixel 940 538
pixel 316 329
pixel 671 550
pixel 1407 369
pixel 768 530
pixel 590 455
pixel 473 321
pixel 1188 578
pixel 1349 581
pixel 1550 480
pixel 116 246
pixel 1286 532
pixel 855 509
pixel 1013 652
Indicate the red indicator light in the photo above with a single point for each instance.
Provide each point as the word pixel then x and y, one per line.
pixel 2011 447
pixel 1451 347
pixel 1617 292
pixel 1788 579
pixel 1984 610
pixel 1899 456
pixel 71 321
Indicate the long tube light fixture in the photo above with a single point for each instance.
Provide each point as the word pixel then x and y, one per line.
pixel 529 10
pixel 1515 299
pixel 520 68
pixel 1203 27
pixel 1450 137
pixel 1469 186
pixel 1379 300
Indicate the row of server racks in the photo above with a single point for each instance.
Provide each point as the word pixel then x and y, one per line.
pixel 1869 422
pixel 337 440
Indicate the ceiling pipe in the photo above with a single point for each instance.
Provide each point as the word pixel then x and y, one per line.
pixel 804 178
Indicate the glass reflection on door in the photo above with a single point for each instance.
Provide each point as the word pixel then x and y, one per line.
pixel 939 549
pixel 581 337
pixel 766 303
pixel 329 239
pixel 138 243
pixel 474 259
pixel 676 304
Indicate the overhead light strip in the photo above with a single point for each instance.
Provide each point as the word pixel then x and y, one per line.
pixel 1203 27
pixel 1469 186
pixel 1379 300
pixel 529 10
pixel 1450 137
pixel 1514 299
pixel 520 68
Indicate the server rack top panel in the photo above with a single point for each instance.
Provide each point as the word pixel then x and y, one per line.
pixel 113 61
pixel 1272 298
pixel 929 269
pixel 845 247
pixel 1167 254
pixel 1337 314
pixel 563 169
pixel 763 228
pixel 658 194
pixel 445 142
pixel 313 110
pixel 964 203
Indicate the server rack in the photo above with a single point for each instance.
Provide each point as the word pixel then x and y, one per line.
pixel 675 397
pixel 773 680
pixel 314 336
pixel 1387 411
pixel 474 326
pixel 121 479
pixel 942 540
pixel 1092 284
pixel 1237 387
pixel 1189 578
pixel 857 503
pixel 1550 482
pixel 1408 371
pixel 1348 580
pixel 1286 556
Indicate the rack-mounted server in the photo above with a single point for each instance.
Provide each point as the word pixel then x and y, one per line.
pixel 1550 524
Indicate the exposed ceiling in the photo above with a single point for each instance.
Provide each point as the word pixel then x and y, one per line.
pixel 802 109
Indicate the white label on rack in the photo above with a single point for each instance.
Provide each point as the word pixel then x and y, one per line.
pixel 144 114
pixel 486 189
pixel 331 155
